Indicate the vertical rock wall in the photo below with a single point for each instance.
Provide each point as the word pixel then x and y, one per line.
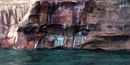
pixel 11 14
pixel 57 23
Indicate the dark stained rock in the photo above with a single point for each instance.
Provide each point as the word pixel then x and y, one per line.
pixel 54 29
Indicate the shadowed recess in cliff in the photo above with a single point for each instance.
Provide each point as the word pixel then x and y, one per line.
pixel 54 35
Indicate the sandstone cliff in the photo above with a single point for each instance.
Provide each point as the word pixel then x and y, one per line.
pixel 80 24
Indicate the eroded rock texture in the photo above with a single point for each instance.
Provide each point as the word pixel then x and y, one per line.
pixel 82 24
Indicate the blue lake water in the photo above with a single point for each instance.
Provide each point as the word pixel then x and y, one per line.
pixel 64 57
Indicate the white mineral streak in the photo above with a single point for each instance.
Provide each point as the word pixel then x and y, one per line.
pixel 59 41
pixel 25 18
pixel 13 34
pixel 78 8
pixel 66 11
pixel 35 46
pixel 79 39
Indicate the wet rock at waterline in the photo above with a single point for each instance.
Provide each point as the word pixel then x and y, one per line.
pixel 78 24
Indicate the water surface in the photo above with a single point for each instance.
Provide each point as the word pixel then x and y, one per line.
pixel 64 57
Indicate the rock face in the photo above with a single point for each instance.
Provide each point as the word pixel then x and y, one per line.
pixel 78 24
